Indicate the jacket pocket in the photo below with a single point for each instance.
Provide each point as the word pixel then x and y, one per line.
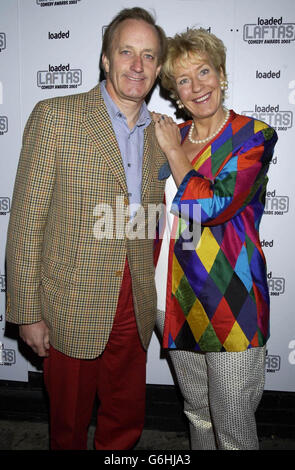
pixel 53 269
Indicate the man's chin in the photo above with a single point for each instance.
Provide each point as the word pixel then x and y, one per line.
pixel 136 92
pixel 136 96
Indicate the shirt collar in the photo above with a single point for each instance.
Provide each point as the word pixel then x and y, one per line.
pixel 144 118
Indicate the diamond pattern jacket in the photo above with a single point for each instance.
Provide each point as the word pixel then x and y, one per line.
pixel 217 294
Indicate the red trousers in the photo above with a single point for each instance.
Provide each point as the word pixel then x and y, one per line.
pixel 117 377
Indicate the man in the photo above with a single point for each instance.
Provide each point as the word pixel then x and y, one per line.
pixel 85 299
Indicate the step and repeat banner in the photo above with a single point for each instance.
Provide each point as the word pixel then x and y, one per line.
pixel 51 48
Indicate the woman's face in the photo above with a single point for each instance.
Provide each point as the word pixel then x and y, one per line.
pixel 198 85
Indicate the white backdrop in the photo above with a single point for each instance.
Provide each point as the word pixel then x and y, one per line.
pixel 36 35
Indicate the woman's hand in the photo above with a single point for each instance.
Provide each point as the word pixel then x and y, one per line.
pixel 167 133
pixel 169 138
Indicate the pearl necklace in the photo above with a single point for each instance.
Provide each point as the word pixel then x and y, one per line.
pixel 202 141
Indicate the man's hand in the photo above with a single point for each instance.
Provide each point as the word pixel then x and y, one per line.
pixel 36 335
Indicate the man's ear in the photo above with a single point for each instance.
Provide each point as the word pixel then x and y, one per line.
pixel 158 70
pixel 105 63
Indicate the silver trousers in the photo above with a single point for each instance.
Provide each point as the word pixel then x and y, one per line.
pixel 221 392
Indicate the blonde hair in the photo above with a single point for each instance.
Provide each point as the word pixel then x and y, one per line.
pixel 185 45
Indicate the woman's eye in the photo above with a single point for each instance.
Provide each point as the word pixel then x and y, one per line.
pixel 204 71
pixel 183 81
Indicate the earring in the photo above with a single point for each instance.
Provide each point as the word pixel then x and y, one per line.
pixel 223 85
pixel 179 104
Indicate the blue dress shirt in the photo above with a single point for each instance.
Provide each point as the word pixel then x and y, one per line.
pixel 130 142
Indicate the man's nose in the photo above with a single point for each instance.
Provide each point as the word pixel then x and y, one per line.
pixel 137 64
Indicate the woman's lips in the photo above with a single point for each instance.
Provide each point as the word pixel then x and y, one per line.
pixel 202 98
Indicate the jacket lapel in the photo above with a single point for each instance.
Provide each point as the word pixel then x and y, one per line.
pixel 98 127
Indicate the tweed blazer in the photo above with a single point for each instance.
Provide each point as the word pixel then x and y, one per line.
pixel 58 269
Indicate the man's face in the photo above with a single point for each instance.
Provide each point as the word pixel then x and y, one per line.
pixel 133 66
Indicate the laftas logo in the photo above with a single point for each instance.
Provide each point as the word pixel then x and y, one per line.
pixel 56 3
pixel 7 356
pixel 269 31
pixel 2 41
pixel 272 363
pixel 273 116
pixel 276 205
pixel 3 125
pixel 2 283
pixel 59 76
pixel 276 285
pixel 4 205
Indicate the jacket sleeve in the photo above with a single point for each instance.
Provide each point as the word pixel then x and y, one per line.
pixel 30 203
pixel 233 188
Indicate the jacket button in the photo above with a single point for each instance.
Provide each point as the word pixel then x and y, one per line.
pixel 119 273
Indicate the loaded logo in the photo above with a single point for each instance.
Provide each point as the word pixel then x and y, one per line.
pixel 3 124
pixel 269 74
pixel 276 205
pixel 274 160
pixel 2 41
pixel 59 76
pixel 2 283
pixel 59 35
pixel 272 363
pixel 4 205
pixel 267 243
pixel 269 31
pixel 7 356
pixel 50 3
pixel 276 285
pixel 273 116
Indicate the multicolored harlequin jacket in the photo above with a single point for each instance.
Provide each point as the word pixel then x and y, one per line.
pixel 217 295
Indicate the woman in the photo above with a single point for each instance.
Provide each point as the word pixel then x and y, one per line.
pixel 216 302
